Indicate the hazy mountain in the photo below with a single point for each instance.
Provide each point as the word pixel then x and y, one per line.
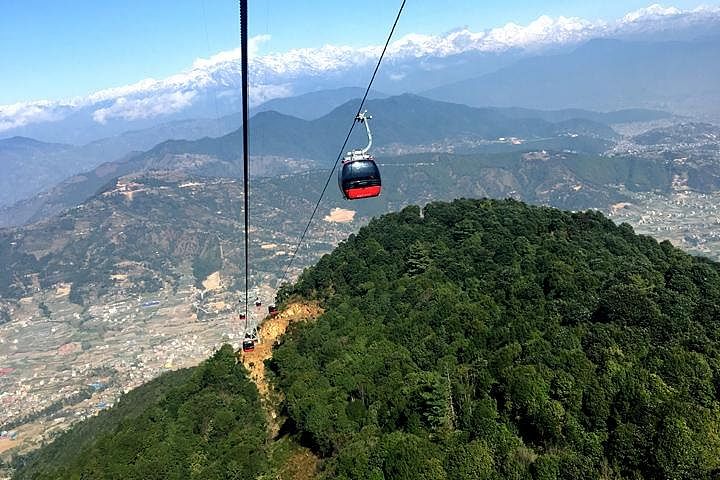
pixel 684 133
pixel 312 105
pixel 604 75
pixel 133 140
pixel 607 118
pixel 29 166
pixel 283 144
pixel 66 194
pixel 398 122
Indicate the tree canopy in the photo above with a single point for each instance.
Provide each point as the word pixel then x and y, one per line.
pixel 489 339
pixel 477 339
pixel 202 423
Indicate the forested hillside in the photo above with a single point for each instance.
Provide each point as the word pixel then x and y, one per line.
pixel 477 339
pixel 203 423
pixel 490 339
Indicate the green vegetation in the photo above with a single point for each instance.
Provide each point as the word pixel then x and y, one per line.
pixel 476 339
pixel 153 238
pixel 202 423
pixel 489 340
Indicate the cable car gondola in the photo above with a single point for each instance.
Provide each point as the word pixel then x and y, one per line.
pixel 272 310
pixel 248 345
pixel 359 176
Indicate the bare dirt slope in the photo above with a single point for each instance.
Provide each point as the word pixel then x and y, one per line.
pixel 270 332
pixel 302 464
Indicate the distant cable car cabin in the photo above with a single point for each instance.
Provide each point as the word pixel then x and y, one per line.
pixel 258 303
pixel 272 310
pixel 248 345
pixel 242 316
pixel 359 176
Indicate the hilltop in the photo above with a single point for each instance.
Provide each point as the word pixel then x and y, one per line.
pixel 494 339
pixel 603 74
pixel 491 339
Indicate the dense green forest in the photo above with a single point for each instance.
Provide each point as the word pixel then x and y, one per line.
pixel 492 340
pixel 477 339
pixel 201 423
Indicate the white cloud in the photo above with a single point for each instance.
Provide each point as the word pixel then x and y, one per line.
pixel 273 75
pixel 147 107
pixel 21 114
pixel 263 93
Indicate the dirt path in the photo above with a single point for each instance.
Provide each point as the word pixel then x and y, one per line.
pixel 302 464
pixel 270 331
pixel 7 444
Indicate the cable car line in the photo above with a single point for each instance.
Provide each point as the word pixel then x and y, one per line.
pixel 342 149
pixel 246 155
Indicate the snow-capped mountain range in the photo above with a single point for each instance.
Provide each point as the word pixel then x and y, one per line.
pixel 414 62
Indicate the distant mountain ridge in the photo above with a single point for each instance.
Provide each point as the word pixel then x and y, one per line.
pixel 283 144
pixel 629 115
pixel 28 166
pixel 313 105
pixel 135 217
pixel 604 75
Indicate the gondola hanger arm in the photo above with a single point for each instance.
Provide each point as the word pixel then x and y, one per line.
pixel 363 118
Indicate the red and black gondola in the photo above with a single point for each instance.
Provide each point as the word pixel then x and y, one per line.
pixel 360 178
pixel 359 175
pixel 248 345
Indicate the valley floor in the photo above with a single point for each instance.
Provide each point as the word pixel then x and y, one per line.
pixel 71 364
pixel 688 219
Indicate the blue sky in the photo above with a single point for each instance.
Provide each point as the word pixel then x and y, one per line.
pixel 53 49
